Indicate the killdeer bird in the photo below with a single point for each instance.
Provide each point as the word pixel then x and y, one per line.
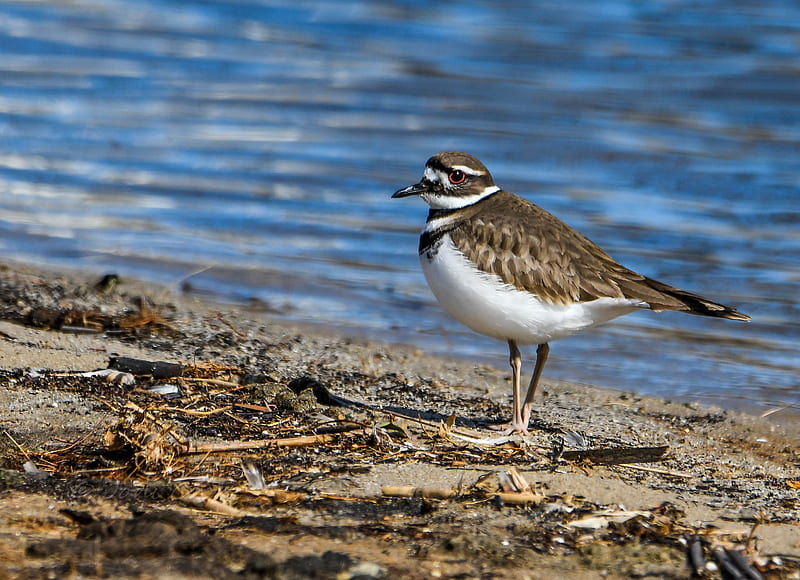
pixel 508 269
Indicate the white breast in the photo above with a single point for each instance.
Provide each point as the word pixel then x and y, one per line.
pixel 488 306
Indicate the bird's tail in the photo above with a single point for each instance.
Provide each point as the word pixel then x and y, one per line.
pixel 691 303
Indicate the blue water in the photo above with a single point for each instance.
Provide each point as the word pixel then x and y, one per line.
pixel 256 144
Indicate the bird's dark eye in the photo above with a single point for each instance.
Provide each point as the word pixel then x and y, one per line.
pixel 457 177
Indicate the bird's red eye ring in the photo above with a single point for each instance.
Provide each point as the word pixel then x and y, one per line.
pixel 457 177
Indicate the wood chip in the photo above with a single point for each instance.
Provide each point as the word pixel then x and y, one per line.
pixel 197 500
pixel 411 491
pixel 525 498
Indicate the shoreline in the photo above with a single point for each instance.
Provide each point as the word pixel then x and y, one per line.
pixel 724 470
pixel 778 412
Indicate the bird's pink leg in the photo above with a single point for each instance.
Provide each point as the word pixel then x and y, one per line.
pixel 519 423
pixel 541 358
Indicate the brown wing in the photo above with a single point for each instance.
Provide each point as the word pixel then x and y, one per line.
pixel 533 250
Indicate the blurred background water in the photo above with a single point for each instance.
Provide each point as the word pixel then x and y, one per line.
pixel 258 142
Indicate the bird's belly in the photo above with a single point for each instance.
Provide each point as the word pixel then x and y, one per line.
pixel 487 305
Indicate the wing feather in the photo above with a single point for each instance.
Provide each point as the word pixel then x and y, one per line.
pixel 531 249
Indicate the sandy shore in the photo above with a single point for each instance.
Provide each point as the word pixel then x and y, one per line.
pixel 96 500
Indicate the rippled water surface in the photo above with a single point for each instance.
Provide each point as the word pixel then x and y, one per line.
pixel 258 143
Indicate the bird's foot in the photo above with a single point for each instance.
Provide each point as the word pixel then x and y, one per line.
pixel 512 428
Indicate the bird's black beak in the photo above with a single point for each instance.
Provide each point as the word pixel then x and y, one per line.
pixel 416 189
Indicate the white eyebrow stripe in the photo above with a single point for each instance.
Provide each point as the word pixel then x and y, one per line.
pixel 469 170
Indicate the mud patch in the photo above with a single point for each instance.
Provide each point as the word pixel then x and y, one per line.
pixel 162 544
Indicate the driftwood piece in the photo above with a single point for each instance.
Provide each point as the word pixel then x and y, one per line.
pixel 616 455
pixel 135 366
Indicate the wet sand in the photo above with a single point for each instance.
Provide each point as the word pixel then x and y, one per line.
pixel 82 497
